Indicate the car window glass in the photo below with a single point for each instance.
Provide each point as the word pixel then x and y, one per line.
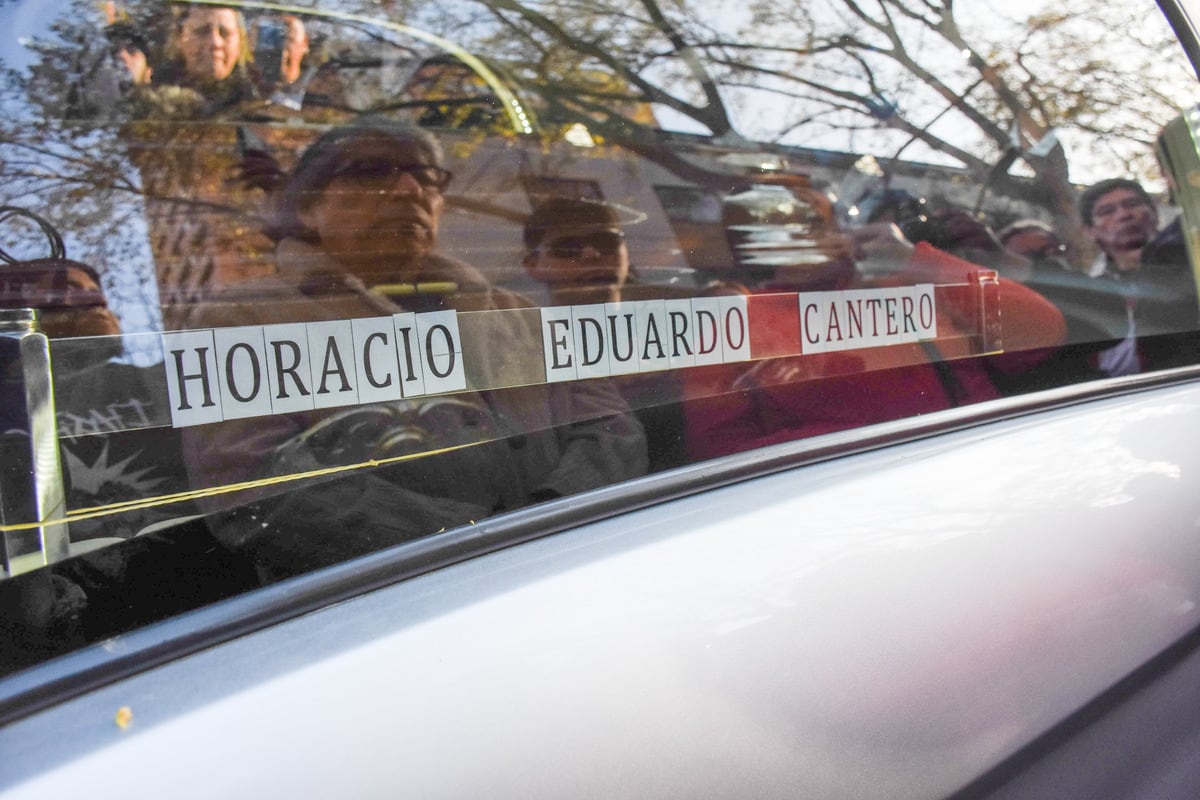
pixel 315 283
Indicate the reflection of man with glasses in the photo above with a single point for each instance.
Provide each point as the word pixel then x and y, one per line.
pixel 365 202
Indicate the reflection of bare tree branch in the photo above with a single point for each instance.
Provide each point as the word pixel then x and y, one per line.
pixel 67 180
pixel 87 161
pixel 852 101
pixel 89 183
pixel 647 144
pixel 685 51
pixel 887 66
pixel 713 115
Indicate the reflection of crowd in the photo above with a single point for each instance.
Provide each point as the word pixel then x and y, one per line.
pixel 1135 310
pixel 1127 311
pixel 201 69
pixel 217 62
pixel 210 57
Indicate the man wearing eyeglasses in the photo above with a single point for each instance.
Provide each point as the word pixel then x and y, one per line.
pixel 576 249
pixel 1120 217
pixel 367 201
pixel 357 226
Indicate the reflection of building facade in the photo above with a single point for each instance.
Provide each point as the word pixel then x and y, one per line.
pixel 205 222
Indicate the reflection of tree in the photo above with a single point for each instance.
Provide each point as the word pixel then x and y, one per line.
pixel 605 67
pixel 915 76
pixel 71 176
pixel 80 180
pixel 147 204
pixel 126 172
pixel 64 158
pixel 969 84
pixel 889 77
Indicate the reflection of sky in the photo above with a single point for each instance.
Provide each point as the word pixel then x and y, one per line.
pixel 117 244
pixel 764 111
pixel 23 21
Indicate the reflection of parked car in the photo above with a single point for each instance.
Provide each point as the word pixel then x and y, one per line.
pixel 997 595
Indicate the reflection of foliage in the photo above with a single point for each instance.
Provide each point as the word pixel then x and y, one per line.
pixel 606 64
pixel 140 201
pixel 967 84
pixel 972 84
pixel 81 181
pixel 1020 105
pixel 75 172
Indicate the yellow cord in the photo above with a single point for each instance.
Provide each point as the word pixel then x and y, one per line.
pixel 215 491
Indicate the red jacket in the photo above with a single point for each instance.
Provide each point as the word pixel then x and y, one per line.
pixel 737 407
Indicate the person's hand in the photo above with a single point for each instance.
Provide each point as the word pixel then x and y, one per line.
pixel 881 242
pixel 258 169
pixel 134 60
pixel 972 240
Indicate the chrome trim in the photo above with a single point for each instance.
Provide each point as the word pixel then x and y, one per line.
pixel 74 674
pixel 1185 29
pixel 32 500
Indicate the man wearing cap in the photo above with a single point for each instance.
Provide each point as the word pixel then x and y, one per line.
pixel 576 249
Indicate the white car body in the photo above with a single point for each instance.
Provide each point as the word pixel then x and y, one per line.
pixel 893 623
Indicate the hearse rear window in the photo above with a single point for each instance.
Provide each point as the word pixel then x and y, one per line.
pixel 288 285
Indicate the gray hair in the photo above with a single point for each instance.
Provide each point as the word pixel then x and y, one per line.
pixel 319 163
